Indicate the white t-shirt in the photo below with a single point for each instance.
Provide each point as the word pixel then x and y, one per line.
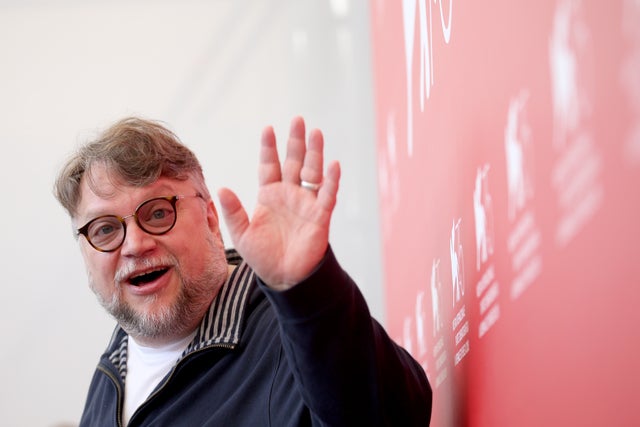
pixel 146 366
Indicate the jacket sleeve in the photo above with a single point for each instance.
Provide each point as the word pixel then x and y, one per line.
pixel 348 370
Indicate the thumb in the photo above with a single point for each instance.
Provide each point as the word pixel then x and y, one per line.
pixel 235 216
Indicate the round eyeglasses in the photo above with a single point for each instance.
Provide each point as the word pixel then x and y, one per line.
pixel 155 216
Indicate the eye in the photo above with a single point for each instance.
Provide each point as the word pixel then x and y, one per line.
pixel 104 229
pixel 160 213
pixel 156 213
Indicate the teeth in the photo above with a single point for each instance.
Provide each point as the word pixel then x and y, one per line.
pixel 147 276
pixel 146 273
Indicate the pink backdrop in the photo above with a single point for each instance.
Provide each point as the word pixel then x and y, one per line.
pixel 508 137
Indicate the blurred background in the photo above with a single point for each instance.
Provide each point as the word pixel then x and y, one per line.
pixel 216 72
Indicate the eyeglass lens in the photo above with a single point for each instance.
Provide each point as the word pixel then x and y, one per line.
pixel 155 216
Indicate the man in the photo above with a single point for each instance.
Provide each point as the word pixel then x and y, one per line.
pixel 275 334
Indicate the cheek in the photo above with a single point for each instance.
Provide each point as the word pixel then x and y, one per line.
pixel 100 270
pixel 202 252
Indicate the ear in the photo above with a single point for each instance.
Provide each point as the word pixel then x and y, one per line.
pixel 212 218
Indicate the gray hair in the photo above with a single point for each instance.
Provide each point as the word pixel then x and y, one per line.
pixel 137 151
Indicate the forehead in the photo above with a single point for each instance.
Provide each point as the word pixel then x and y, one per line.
pixel 102 193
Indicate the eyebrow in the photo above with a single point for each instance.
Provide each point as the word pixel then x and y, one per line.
pixel 162 191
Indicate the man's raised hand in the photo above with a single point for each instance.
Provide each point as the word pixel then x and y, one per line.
pixel 288 233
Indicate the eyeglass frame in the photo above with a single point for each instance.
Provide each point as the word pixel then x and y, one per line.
pixel 84 230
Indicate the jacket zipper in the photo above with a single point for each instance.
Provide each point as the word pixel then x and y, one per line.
pixel 120 394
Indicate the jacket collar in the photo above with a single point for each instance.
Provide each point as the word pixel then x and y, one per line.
pixel 224 321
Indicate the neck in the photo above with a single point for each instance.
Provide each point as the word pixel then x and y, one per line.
pixel 163 341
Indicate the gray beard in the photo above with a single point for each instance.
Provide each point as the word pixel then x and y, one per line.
pixel 177 319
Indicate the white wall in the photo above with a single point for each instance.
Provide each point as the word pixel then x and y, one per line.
pixel 216 72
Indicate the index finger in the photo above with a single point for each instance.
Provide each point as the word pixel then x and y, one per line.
pixel 269 166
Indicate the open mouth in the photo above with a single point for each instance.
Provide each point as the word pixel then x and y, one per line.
pixel 148 277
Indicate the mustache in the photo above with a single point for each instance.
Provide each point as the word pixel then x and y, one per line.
pixel 126 270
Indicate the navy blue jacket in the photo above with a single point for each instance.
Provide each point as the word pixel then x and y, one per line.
pixel 309 356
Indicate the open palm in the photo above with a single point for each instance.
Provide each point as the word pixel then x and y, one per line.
pixel 288 233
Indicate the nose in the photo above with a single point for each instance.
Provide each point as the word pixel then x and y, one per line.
pixel 137 242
